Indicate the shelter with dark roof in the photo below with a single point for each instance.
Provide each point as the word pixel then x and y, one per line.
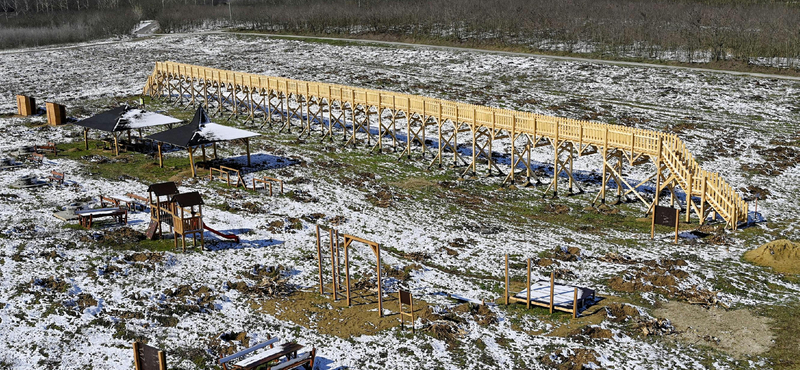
pixel 199 133
pixel 123 119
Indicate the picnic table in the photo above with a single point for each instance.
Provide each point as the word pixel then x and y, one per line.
pixel 87 216
pixel 275 353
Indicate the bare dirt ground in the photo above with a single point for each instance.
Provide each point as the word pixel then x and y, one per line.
pixel 738 332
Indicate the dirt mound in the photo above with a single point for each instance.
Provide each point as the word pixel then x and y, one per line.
pixel 593 332
pixel 154 257
pixel 576 359
pixel 620 312
pixel 782 255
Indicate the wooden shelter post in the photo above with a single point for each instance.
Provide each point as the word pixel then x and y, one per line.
pixel 160 156
pixel 191 161
pixel 247 147
pixel 214 145
pixel 203 151
pixel 116 143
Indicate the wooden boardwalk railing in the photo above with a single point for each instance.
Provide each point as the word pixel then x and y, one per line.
pixel 664 149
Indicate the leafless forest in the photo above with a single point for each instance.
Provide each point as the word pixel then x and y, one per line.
pixel 726 31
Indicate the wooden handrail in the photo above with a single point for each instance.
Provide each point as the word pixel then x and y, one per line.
pixel 728 203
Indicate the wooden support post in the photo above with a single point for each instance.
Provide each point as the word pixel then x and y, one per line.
pixel 136 364
pixel 116 143
pixel 338 260
pixel 528 301
pixel 575 304
pixel 319 257
pixel 162 360
pixel 380 284
pixel 160 156
pixel 506 295
pixel 203 150
pixel 653 225
pixel 552 288
pixel 333 268
pixel 347 271
pixel 214 145
pixel 86 138
pixel 689 203
pixel 247 147
pixel 191 161
pixel 677 221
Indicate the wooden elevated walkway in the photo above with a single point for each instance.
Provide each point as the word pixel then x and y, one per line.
pixel 305 104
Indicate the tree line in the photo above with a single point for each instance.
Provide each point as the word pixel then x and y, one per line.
pixel 683 30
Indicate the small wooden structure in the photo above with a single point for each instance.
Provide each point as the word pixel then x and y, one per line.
pixel 26 105
pixel 226 172
pixel 665 216
pixel 188 217
pixel 267 183
pixel 148 358
pixel 56 114
pixel 199 133
pixel 405 298
pixel 56 177
pixel 160 198
pixel 549 294
pixel 274 353
pixel 50 147
pixel 335 265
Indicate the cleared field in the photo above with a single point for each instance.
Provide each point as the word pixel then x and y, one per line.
pixel 82 295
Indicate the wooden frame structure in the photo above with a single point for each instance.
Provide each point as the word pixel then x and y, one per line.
pixel 267 181
pixel 304 104
pixel 148 358
pixel 405 298
pixel 187 220
pixel 336 265
pixel 511 298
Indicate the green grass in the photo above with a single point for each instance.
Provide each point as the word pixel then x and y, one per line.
pixel 784 353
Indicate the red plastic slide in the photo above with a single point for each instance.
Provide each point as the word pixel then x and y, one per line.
pixel 233 237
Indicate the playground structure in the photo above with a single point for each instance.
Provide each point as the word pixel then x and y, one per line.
pixel 550 295
pixel 374 114
pixel 336 265
pixel 182 212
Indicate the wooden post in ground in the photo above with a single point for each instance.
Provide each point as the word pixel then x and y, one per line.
pixel 338 263
pixel 247 147
pixel 528 301
pixel 203 151
pixel 347 270
pixel 116 143
pixel 214 145
pixel 333 269
pixel 677 221
pixel 380 288
pixel 162 360
pixel 136 364
pixel 653 224
pixel 575 304
pixel 552 287
pixel 86 138
pixel 191 161
pixel 506 295
pixel 319 258
pixel 160 156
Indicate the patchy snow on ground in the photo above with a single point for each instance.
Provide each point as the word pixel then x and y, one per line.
pixel 68 302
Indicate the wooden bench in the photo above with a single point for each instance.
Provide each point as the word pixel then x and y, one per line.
pixel 36 158
pixel 57 177
pixel 50 147
pixel 275 352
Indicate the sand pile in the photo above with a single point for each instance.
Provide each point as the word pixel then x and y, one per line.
pixel 782 255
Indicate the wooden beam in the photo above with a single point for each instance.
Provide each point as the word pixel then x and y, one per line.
pixel 319 258
pixel 552 287
pixel 86 138
pixel 528 300
pixel 506 295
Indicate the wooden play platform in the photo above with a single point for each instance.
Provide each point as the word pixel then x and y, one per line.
pixel 543 293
